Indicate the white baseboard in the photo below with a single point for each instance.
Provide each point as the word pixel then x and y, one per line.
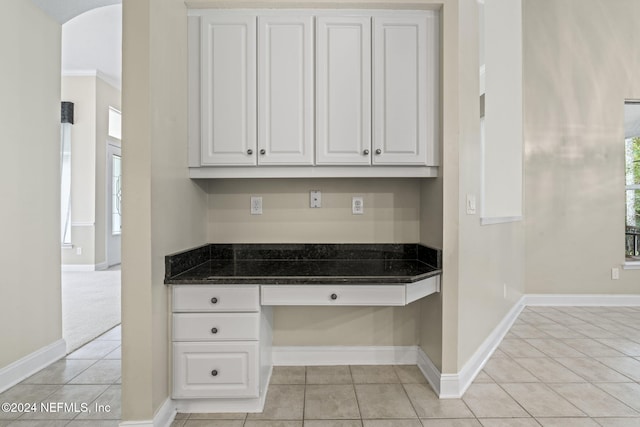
pixel 85 267
pixel 610 300
pixel 101 266
pixel 453 386
pixel 201 406
pixel 429 370
pixel 344 355
pixel 163 417
pixel 23 368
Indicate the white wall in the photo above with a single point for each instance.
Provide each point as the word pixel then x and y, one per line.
pixel 30 300
pixel 581 62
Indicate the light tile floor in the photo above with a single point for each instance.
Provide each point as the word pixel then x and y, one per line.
pixel 89 376
pixel 557 366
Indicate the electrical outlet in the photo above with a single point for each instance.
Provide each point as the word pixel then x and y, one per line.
pixel 315 199
pixel 615 273
pixel 357 205
pixel 256 205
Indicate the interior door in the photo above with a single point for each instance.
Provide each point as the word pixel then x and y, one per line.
pixel 114 204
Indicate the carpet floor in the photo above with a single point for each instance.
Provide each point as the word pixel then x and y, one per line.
pixel 90 305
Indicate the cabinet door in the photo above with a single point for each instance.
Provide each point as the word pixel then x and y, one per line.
pixel 400 90
pixel 228 90
pixel 343 90
pixel 285 84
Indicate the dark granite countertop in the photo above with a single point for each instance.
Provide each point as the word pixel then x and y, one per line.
pixel 303 264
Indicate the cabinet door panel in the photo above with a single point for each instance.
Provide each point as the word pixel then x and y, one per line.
pixel 228 90
pixel 400 90
pixel 343 90
pixel 285 84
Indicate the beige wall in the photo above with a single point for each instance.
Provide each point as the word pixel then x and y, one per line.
pixel 391 211
pixel 581 62
pixel 30 304
pixel 164 211
pixel 82 92
pixel 478 261
pixel 392 214
pixel 92 97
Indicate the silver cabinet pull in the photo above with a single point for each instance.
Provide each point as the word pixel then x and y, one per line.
pixel 249 151
pixel 366 152
pixel 378 151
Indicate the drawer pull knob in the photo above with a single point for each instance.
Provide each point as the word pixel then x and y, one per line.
pixel 249 151
pixel 365 152
pixel 214 330
pixel 378 151
pixel 214 373
pixel 214 300
pixel 334 296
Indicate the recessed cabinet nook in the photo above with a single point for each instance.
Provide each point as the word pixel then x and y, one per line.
pixel 313 93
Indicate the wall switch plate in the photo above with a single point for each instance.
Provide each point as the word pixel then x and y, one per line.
pixel 357 205
pixel 471 204
pixel 615 273
pixel 256 205
pixel 78 251
pixel 315 199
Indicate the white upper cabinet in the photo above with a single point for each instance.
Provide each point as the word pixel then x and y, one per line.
pixel 228 90
pixel 285 90
pixel 343 90
pixel 404 88
pixel 313 93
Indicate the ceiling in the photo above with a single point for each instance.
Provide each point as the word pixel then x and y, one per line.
pixel 92 44
pixel 63 10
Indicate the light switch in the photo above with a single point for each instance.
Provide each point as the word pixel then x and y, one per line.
pixel 471 204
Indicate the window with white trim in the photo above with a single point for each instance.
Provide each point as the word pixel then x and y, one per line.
pixel 632 180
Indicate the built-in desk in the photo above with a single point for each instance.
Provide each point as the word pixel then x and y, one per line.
pixel 222 299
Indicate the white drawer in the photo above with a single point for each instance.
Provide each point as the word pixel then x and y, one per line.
pixel 215 298
pixel 212 369
pixel 216 326
pixel 333 295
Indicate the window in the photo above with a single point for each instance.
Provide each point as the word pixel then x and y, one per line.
pixel 632 180
pixel 65 173
pixel 115 123
pixel 116 194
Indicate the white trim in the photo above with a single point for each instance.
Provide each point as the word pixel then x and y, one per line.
pixel 204 406
pixel 93 73
pixel 631 265
pixel 314 172
pixel 165 414
pixel 101 266
pixel 429 370
pixel 163 417
pixel 82 223
pixel 23 368
pixel 453 386
pixel 84 267
pixel 490 220
pixel 344 355
pixel 609 300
